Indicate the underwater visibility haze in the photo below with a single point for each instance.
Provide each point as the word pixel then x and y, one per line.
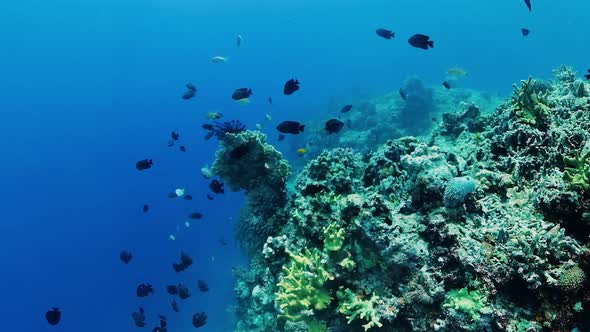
pixel 258 166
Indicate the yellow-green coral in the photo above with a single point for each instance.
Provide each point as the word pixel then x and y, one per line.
pixel 529 106
pixel 347 263
pixel 333 237
pixel 301 287
pixel 577 170
pixel 471 303
pixel 352 306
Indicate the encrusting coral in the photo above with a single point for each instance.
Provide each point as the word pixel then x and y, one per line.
pixel 482 226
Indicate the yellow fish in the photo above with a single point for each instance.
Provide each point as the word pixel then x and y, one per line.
pixel 243 101
pixel 301 151
pixel 457 72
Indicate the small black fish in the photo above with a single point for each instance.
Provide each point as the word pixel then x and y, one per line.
pixel 199 319
pixel 216 187
pixel 528 4
pixel 172 289
pixel 183 291
pixel 333 126
pixel 203 287
pixel 270 100
pixel 185 259
pixel 207 126
pixel 403 94
pixel 174 306
pixel 163 324
pixel 446 84
pixel 191 91
pixel 587 75
pixel 291 86
pixel 209 135
pixel 178 267
pixel 144 290
pixel 53 316
pixel 281 137
pixel 346 109
pixel 525 32
pixel 421 41
pixel 144 164
pixel 290 127
pixel 195 215
pixel 182 148
pixel 175 136
pixel 239 151
pixel 139 317
pixel 125 256
pixel 187 197
pixel 241 93
pixel 145 208
pixel 209 197
pixel 185 262
pixel 384 33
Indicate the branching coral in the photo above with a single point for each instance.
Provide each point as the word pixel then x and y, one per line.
pixel 529 105
pixel 301 287
pixel 471 303
pixel 352 306
pixel 577 170
pixel 333 237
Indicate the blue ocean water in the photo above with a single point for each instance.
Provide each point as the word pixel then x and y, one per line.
pixel 87 88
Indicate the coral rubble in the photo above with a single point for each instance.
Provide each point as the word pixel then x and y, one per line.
pixel 482 226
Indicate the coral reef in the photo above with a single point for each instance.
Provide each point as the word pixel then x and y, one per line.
pixel 483 225
pixel 247 162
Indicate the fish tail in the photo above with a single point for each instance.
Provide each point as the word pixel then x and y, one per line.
pixel 301 128
pixel 430 43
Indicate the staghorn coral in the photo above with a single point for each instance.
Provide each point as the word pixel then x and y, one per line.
pixel 353 307
pixel 333 237
pixel 472 303
pixel 530 104
pixel 577 170
pixel 301 289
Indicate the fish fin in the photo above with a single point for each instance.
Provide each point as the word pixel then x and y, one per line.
pixel 301 127
pixel 430 43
